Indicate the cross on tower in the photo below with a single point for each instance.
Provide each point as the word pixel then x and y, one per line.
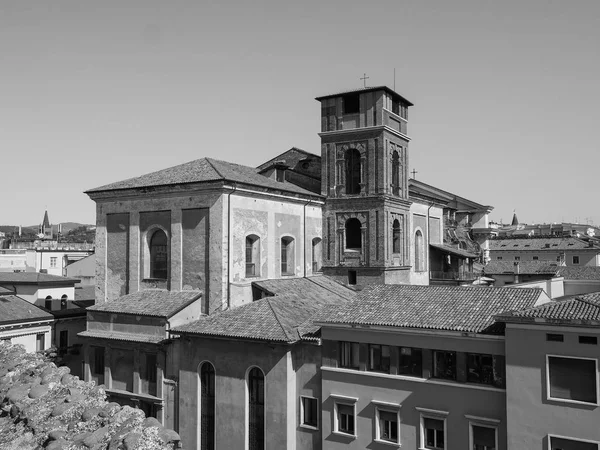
pixel 414 174
pixel 365 78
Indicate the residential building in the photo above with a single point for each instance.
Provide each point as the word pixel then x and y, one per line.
pixel 514 272
pixel 83 269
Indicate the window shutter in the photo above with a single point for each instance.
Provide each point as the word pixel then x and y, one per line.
pixel 433 424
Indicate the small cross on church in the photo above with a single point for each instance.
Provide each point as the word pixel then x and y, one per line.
pixel 365 78
pixel 414 174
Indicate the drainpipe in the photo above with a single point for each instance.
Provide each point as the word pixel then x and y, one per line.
pixel 228 248
pixel 304 240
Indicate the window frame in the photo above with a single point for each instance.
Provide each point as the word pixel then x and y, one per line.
pixel 569 438
pixel 289 243
pixel 436 415
pixel 419 246
pixel 381 406
pixel 566 400
pixel 351 343
pixel 346 401
pixel 151 270
pixel 303 424
pixel 573 260
pixel 370 358
pixel 434 364
pixel 252 244
pixel 482 422
pixel 412 349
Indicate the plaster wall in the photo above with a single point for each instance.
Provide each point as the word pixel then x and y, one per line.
pixel 37 295
pixel 586 257
pixel 188 314
pixel 27 336
pixel 530 415
pixel 575 287
pixel 307 367
pixel 554 287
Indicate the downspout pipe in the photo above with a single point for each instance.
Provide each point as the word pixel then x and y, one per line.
pixel 228 247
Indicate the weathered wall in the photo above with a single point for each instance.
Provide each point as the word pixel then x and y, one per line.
pixel 117 256
pixel 307 365
pixel 27 336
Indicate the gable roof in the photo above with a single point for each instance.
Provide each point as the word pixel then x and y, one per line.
pixel 450 308
pixel 579 272
pixel 202 170
pixel 292 157
pixel 150 302
pixel 540 267
pixel 581 310
pixel 14 309
pixel 540 244
pixel 419 189
pixel 8 278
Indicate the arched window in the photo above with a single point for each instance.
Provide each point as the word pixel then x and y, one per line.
pixel 63 301
pixel 252 256
pixel 207 406
pixel 48 302
pixel 396 240
pixel 353 234
pixel 395 173
pixel 352 171
pixel 256 409
pixel 316 254
pixel 287 256
pixel 158 255
pixel 419 252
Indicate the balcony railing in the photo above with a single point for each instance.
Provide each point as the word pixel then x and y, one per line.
pixel 461 275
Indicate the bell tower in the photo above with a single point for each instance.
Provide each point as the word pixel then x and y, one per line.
pixel 364 177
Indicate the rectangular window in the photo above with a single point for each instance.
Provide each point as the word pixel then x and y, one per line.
pixel 98 368
pixel 535 258
pixel 411 362
pixel 309 412
pixel 434 433
pixel 63 341
pixel 575 259
pixel 348 355
pixel 444 365
pixel 561 443
pixel 151 367
pixel 387 425
pixel 396 107
pixel 572 379
pixel 40 342
pixel 352 277
pixel 483 437
pixel 552 337
pixel 345 418
pixel 517 258
pixel 351 103
pixel 379 358
pixel 499 258
pixel 53 261
pixel 485 369
pixel 592 340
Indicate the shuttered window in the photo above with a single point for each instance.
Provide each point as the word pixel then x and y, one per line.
pixel 572 379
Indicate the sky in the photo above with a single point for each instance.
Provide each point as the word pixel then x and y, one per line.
pixel 506 93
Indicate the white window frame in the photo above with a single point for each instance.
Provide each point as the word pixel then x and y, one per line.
pixel 347 401
pixel 485 423
pixel 302 424
pixel 578 260
pixel 53 260
pixel 432 414
pixel 386 407
pixel 565 400
pixel 587 441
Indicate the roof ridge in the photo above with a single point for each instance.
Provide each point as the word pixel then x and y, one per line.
pixel 287 335
pixel 585 300
pixel 209 161
pixel 324 287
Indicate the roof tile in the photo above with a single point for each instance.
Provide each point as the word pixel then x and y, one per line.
pixel 150 302
pixel 14 309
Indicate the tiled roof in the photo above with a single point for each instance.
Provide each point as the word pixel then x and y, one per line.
pixel 581 310
pixel 6 291
pixel 15 309
pixel 118 336
pixel 579 272
pixel 451 308
pixel 318 286
pixel 279 319
pixel 33 278
pixel 202 170
pixel 541 267
pixel 150 302
pixel 454 251
pixel 540 244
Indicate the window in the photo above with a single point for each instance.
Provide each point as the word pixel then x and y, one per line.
pixel 575 259
pixel 396 241
pixel 316 254
pixel 387 425
pixel 535 258
pixel 351 103
pixel 517 258
pixel 309 410
pixel 353 234
pixel 483 437
pixel 555 337
pixel 53 261
pixel 40 342
pixel 158 255
pixel 411 362
pixel 379 358
pixel 444 365
pixel 349 355
pixel 352 277
pixel 150 372
pixel 395 173
pixel 485 369
pixel 352 171
pixel 499 258
pixel 287 256
pixel 434 433
pixel 419 252
pixel 48 302
pixel 572 379
pixel 63 341
pixel 98 368
pixel 63 301
pixel 562 443
pixel 207 406
pixel 344 418
pixel 592 340
pixel 252 256
pixel 256 409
